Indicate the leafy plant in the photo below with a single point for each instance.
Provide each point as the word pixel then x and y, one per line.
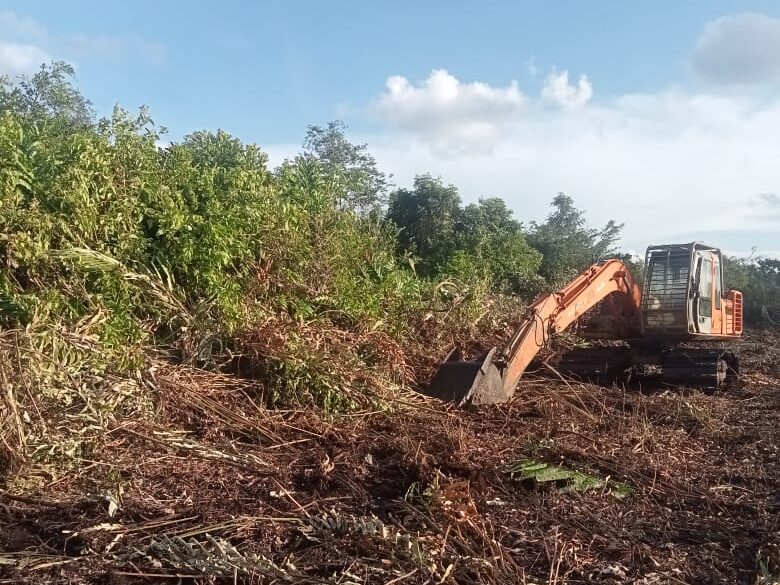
pixel 571 480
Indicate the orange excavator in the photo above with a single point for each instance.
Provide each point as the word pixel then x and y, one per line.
pixel 681 303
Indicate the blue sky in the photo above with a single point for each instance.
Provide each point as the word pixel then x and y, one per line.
pixel 661 114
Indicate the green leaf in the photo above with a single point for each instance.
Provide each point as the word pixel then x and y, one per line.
pixel 577 481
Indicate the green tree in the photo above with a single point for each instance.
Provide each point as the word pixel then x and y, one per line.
pixel 427 217
pixel 47 96
pixel 363 186
pixel 479 242
pixel 568 244
pixel 490 241
pixel 759 282
pixel 489 214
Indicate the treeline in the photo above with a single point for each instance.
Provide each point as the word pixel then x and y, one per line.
pixel 440 238
pixel 759 281
pixel 188 245
pixel 206 215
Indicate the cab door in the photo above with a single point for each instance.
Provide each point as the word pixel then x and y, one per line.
pixel 702 291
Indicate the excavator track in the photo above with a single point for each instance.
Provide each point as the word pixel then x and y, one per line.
pixel 703 368
pixel 603 364
pixel 709 369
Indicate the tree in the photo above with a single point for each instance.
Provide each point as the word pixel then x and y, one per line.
pixel 567 244
pixel 479 242
pixel 426 217
pixel 490 214
pixel 351 165
pixel 490 241
pixel 48 96
pixel 759 282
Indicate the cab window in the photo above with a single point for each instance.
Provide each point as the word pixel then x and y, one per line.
pixel 718 286
pixel 705 288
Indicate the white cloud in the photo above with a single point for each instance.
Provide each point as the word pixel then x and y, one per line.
pixel 765 207
pixel 17 58
pixel 770 200
pixel 278 153
pixel 739 49
pixel 452 116
pixel 17 27
pixel 455 117
pixel 26 43
pixel 558 91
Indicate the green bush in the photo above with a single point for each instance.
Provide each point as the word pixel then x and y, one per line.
pixel 173 246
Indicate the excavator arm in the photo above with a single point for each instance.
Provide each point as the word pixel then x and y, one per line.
pixel 493 378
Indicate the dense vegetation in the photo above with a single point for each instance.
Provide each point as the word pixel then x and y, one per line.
pixel 194 247
pixel 759 280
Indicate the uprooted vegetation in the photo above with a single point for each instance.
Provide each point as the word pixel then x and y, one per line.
pixel 195 477
pixel 207 372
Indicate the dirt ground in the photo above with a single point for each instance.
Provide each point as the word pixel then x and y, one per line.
pixel 218 490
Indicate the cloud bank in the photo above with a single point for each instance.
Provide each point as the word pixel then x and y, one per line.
pixel 675 165
pixel 672 165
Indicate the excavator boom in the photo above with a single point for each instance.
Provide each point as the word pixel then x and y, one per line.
pixel 493 378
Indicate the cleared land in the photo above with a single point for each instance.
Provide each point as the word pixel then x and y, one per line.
pixel 677 487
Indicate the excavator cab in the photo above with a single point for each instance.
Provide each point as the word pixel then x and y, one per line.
pixel 683 294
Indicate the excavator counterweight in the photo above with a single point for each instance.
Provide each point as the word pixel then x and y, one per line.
pixel 682 300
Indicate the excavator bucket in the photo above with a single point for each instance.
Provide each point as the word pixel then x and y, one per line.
pixel 469 382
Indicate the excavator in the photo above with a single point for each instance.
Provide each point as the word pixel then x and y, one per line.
pixel 678 324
